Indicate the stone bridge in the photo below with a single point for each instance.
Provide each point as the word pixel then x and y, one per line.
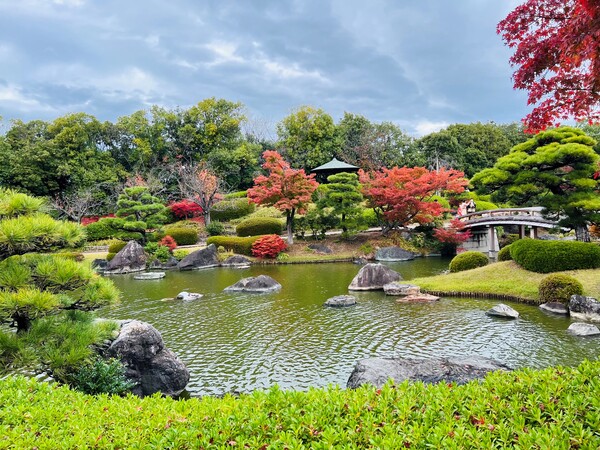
pixel 482 225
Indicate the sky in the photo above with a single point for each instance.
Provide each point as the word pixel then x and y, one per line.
pixel 422 64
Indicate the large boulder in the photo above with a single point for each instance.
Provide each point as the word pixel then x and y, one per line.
pixel 340 301
pixel 259 284
pixel 583 329
pixel 394 254
pixel 320 248
pixel 555 308
pixel 377 371
pixel 131 258
pixel 200 259
pixel 237 261
pixel 149 363
pixel 502 310
pixel 373 277
pixel 584 308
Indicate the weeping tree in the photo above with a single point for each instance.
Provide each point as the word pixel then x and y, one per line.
pixel 45 298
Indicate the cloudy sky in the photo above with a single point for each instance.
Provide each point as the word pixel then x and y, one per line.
pixel 422 64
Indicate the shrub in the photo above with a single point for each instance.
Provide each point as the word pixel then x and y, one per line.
pixel 467 261
pixel 185 209
pixel 101 229
pixel 110 256
pixel 215 228
pixel 268 246
pixel 116 246
pixel 481 205
pixel 162 253
pixel 239 194
pixel 75 256
pixel 101 377
pixel 129 236
pixel 169 242
pixel 181 253
pixel 226 210
pixel 555 256
pixel 559 287
pixel 257 226
pixel 504 254
pixel 368 218
pixel 239 245
pixel 507 239
pixel 155 236
pixel 183 236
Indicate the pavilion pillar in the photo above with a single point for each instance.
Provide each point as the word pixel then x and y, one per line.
pixel 533 234
pixel 491 241
pixel 521 231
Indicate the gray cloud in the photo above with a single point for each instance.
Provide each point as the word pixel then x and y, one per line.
pixel 420 64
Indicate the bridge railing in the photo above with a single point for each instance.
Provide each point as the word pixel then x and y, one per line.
pixel 535 211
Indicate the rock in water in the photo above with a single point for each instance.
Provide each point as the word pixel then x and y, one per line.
pixel 131 258
pixel 373 277
pixel 259 284
pixel 584 308
pixel 200 259
pixel 341 301
pixel 149 276
pixel 555 307
pixel 418 298
pixel 377 371
pixel 188 296
pixel 149 363
pixel 237 261
pixel 394 254
pixel 583 329
pixel 502 310
pixel 401 289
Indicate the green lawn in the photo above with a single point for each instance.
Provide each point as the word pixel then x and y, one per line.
pixel 504 278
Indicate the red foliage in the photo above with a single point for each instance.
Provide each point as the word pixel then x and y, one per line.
pixel 168 241
pixel 93 219
pixel 400 195
pixel 453 234
pixel 185 209
pixel 268 246
pixel 557 54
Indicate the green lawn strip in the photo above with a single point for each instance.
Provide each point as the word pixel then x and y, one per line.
pixel 503 278
pixel 552 408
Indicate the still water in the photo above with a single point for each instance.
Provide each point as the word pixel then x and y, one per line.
pixel 242 342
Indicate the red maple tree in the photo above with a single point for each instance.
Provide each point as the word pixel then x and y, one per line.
pixel 453 234
pixel 268 246
pixel 401 196
pixel 557 54
pixel 289 190
pixel 185 209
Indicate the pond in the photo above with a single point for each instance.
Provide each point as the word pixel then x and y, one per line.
pixel 243 342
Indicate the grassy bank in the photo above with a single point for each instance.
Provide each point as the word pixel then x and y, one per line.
pixel 504 278
pixel 553 408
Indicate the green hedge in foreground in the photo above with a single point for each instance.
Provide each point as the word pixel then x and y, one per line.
pixel 555 408
pixel 555 256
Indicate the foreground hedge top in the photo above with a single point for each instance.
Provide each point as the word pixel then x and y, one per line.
pixel 554 408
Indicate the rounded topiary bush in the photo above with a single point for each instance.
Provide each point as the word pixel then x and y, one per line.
pixel 116 246
pixel 259 225
pixel 555 256
pixel 504 254
pixel 231 209
pixel 559 287
pixel 183 236
pixel 467 261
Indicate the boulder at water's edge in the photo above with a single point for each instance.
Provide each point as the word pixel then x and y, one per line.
pixel 200 259
pixel 373 277
pixel 131 258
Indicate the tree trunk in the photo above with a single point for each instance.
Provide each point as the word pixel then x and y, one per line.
pixel 206 216
pixel 582 234
pixel 289 225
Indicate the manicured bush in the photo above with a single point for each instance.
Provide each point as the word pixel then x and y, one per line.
pixel 555 256
pixel 116 246
pixel 559 287
pixel 183 236
pixel 180 253
pixel 215 228
pixel 129 236
pixel 504 254
pixel 185 209
pixel 256 226
pixel 468 261
pixel 239 245
pixel 268 246
pixel 102 229
pixel 168 242
pixel 238 194
pixel 552 408
pixel 75 256
pixel 226 210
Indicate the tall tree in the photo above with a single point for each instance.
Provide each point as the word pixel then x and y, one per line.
pixel 307 138
pixel 439 150
pixel 403 196
pixel 342 198
pixel 199 184
pixel 557 57
pixel 289 190
pixel 555 169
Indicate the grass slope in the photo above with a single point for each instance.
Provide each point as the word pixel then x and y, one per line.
pixel 504 278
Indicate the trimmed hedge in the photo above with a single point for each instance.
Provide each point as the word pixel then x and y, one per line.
pixel 552 408
pixel 226 210
pixel 183 236
pixel 238 194
pixel 468 261
pixel 109 228
pixel 239 245
pixel 504 254
pixel 555 256
pixel 559 287
pixel 116 247
pixel 259 225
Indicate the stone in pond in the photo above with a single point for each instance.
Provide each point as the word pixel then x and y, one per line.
pixel 373 277
pixel 555 308
pixel 200 259
pixel 149 276
pixel 237 261
pixel 583 329
pixel 584 308
pixel 259 284
pixel 341 301
pixel 396 288
pixel 502 310
pixel 418 298
pixel 394 254
pixel 188 296
pixel 130 258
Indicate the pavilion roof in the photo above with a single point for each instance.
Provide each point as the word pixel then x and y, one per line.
pixel 335 164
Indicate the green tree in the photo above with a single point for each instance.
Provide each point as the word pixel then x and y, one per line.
pixel 342 198
pixel 43 295
pixel 554 169
pixel 307 138
pixel 140 209
pixel 438 150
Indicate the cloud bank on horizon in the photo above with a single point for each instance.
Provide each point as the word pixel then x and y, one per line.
pixel 422 65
